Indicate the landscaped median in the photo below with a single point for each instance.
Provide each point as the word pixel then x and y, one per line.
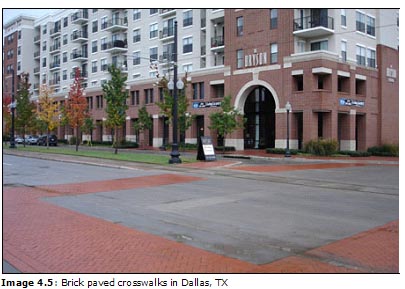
pixel 133 156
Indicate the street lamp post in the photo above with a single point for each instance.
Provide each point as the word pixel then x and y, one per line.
pixel 12 107
pixel 287 151
pixel 175 155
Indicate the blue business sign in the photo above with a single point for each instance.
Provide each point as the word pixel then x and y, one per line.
pixel 351 102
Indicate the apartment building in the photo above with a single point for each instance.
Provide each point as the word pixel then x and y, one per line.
pixel 338 68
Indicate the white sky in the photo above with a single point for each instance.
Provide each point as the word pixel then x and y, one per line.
pixel 9 14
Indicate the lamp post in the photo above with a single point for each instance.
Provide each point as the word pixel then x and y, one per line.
pixel 287 151
pixel 12 107
pixel 175 155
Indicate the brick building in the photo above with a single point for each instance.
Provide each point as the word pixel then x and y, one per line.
pixel 338 68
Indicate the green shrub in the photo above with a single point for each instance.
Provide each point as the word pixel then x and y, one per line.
pixel 386 150
pixel 322 147
pixel 280 151
pixel 227 149
pixel 72 140
pixel 355 153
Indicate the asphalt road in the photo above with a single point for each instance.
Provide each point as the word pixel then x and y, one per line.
pixel 255 217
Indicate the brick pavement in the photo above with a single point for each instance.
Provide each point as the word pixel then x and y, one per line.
pixel 41 237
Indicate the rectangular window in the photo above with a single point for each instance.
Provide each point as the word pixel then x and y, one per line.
pixel 104 22
pixel 153 11
pixel 136 58
pixel 64 57
pixel 202 90
pixel 273 18
pixel 239 58
pixel 65 22
pixel 94 66
pixel 153 54
pixel 273 53
pixel 94 46
pixel 65 39
pixel 343 51
pixel 136 36
pixel 187 68
pixel 370 25
pixel 187 44
pixel 148 95
pixel 44 62
pixel 137 14
pixel 343 17
pixel 135 97
pixel 103 65
pixel 94 26
pixel 44 28
pixel 360 22
pixel 153 30
pixel 298 82
pixel 319 45
pixel 188 18
pixel 239 26
pixel 89 102
pixel 64 75
pixel 371 58
pixel 361 55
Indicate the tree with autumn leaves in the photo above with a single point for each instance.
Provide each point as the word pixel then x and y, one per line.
pixel 75 110
pixel 48 110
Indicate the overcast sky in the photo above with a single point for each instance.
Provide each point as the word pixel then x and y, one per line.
pixel 9 14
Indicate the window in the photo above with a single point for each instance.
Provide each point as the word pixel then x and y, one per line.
pixel 94 66
pixel 218 90
pixel 19 65
pixel 343 17
pixel 273 53
pixel 64 75
pixel 360 22
pixel 361 55
pixel 136 14
pixel 343 51
pixel 104 22
pixel 188 18
pixel 135 97
pixel 89 102
pixel 370 26
pixel 239 26
pixel 168 52
pixel 273 18
pixel 103 65
pixel 94 26
pixel 136 36
pixel 187 44
pixel 148 95
pixel 94 46
pixel 44 28
pixel 198 90
pixel 99 101
pixel 65 22
pixel 168 28
pixel 65 39
pixel 298 82
pixel 44 46
pixel 64 57
pixel 153 11
pixel 239 58
pixel 44 62
pixel 360 86
pixel 153 54
pixel 153 30
pixel 187 67
pixel 319 45
pixel 343 84
pixel 136 58
pixel 103 43
pixel 371 58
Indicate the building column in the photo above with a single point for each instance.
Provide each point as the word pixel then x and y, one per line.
pixel 157 131
pixel 310 126
pixel 347 131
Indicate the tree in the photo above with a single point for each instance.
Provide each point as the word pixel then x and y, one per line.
pixel 144 121
pixel 227 120
pixel 87 128
pixel 76 106
pixel 6 116
pixel 185 119
pixel 47 113
pixel 116 96
pixel 25 107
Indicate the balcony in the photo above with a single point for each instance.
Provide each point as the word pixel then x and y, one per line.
pixel 54 65
pixel 167 12
pixel 37 39
pixel 37 54
pixel 310 27
pixel 54 48
pixel 116 24
pixel 116 46
pixel 36 70
pixel 54 82
pixel 79 36
pixel 80 17
pixel 217 43
pixel 83 74
pixel 78 56
pixel 167 33
pixel 55 31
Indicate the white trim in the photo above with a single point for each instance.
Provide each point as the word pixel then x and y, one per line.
pixel 215 82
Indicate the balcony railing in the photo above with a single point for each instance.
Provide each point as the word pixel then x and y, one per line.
pixel 115 24
pixel 55 31
pixel 313 22
pixel 54 65
pixel 83 74
pixel 80 16
pixel 54 81
pixel 78 55
pixel 37 38
pixel 116 45
pixel 76 35
pixel 54 48
pixel 166 32
pixel 217 41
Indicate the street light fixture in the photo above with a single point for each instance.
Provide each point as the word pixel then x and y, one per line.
pixel 288 109
pixel 175 155
pixel 12 107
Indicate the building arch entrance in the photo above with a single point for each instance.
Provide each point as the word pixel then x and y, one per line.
pixel 259 111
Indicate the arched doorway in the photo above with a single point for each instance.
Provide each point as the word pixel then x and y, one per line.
pixel 259 110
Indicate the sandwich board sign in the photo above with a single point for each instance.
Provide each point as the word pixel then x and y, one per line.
pixel 206 150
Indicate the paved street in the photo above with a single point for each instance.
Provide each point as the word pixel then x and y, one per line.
pixel 229 216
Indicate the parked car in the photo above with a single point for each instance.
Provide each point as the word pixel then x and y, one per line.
pixel 32 140
pixel 19 139
pixel 53 140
